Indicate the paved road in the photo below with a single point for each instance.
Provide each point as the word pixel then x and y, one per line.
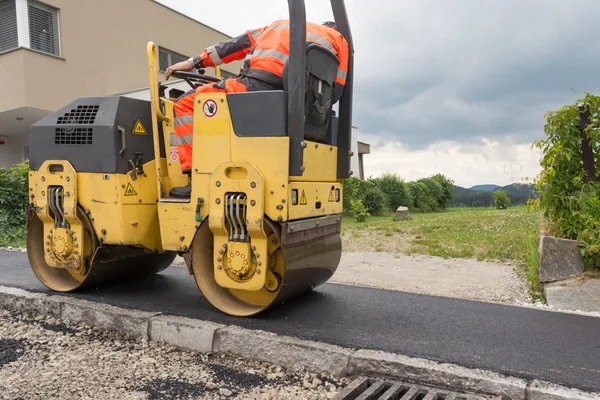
pixel 526 343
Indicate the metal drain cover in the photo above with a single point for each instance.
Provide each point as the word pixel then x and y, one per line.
pixel 373 389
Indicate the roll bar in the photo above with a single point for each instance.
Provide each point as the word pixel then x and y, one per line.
pixel 297 88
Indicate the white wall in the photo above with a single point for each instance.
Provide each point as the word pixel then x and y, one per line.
pixel 13 151
pixel 354 148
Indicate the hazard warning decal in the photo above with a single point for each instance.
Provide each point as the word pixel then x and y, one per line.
pixel 130 191
pixel 210 108
pixel 138 128
pixel 331 197
pixel 303 198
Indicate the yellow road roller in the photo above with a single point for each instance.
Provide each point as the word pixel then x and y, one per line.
pixel 262 222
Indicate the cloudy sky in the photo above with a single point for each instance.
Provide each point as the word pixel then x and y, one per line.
pixel 458 87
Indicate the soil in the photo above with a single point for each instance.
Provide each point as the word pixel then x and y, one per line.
pixel 436 276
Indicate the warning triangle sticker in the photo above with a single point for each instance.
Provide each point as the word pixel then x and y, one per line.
pixel 139 129
pixel 130 191
pixel 303 198
pixel 331 198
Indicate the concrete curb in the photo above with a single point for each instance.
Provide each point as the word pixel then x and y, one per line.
pixel 290 352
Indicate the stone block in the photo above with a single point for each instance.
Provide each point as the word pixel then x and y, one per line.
pixel 402 213
pixel 574 295
pixel 286 351
pixel 559 259
pixel 183 332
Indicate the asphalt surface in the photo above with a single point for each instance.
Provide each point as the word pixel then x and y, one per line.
pixel 520 342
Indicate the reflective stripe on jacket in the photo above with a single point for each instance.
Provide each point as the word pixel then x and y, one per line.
pixel 266 50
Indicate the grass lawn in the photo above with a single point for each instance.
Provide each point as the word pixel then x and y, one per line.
pixel 480 233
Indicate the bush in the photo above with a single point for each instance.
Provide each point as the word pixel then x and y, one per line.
pixel 375 201
pixel 569 200
pixel 433 194
pixel 13 203
pixel 358 211
pixel 418 192
pixel 501 200
pixel 395 190
pixel 354 189
pixel 447 190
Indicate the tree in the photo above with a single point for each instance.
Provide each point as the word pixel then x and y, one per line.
pixel 501 200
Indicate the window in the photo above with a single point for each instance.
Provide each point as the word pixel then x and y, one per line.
pixel 9 38
pixel 43 28
pixel 168 57
pixel 29 24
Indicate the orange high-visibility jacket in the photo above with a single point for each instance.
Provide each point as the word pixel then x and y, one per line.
pixel 266 51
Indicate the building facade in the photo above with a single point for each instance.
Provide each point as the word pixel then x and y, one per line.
pixel 55 51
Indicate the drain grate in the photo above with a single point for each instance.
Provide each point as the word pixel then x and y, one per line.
pixel 372 389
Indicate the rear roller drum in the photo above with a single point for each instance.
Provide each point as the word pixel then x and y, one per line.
pixel 296 269
pixel 101 264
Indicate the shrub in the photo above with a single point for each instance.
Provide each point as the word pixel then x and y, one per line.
pixel 13 203
pixel 569 200
pixel 433 194
pixel 418 192
pixel 354 189
pixel 501 200
pixel 375 201
pixel 395 190
pixel 447 190
pixel 358 211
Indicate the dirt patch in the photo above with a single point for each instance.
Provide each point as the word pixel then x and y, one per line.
pixel 436 276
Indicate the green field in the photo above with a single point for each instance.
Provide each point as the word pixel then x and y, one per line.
pixel 479 233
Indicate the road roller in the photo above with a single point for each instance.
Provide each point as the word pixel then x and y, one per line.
pixel 257 218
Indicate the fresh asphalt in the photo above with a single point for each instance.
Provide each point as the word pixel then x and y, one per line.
pixel 521 342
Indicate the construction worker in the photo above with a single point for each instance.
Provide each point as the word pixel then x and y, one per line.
pixel 265 51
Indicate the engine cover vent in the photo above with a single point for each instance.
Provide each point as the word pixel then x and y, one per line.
pixel 84 114
pixel 73 135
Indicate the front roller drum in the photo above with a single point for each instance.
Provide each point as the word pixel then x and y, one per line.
pixel 102 264
pixel 298 266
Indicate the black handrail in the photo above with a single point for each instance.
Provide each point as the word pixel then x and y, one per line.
pixel 296 84
pixel 345 107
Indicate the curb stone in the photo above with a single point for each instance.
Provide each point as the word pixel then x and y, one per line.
pixel 129 322
pixel 184 332
pixel 538 390
pixel 286 351
pixel 290 352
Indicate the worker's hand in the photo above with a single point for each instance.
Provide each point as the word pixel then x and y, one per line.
pixel 181 66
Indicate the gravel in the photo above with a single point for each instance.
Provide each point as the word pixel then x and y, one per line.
pixel 46 358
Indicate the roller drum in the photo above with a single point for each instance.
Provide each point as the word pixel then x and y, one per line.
pixel 304 266
pixel 103 264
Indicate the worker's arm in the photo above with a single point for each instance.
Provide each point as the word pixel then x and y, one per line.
pixel 221 53
pixel 230 50
pixel 342 49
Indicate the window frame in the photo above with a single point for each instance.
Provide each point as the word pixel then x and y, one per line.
pixel 55 18
pixel 24 29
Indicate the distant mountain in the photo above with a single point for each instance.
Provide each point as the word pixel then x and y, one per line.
pixel 489 188
pixel 517 192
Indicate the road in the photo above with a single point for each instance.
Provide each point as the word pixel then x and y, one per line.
pixel 521 342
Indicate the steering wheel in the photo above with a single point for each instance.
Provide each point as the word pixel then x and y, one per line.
pixel 195 80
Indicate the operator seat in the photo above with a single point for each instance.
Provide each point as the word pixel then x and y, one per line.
pixel 183 192
pixel 321 73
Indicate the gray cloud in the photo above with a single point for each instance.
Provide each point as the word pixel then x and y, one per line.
pixel 433 70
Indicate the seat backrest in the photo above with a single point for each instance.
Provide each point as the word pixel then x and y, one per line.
pixel 321 73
